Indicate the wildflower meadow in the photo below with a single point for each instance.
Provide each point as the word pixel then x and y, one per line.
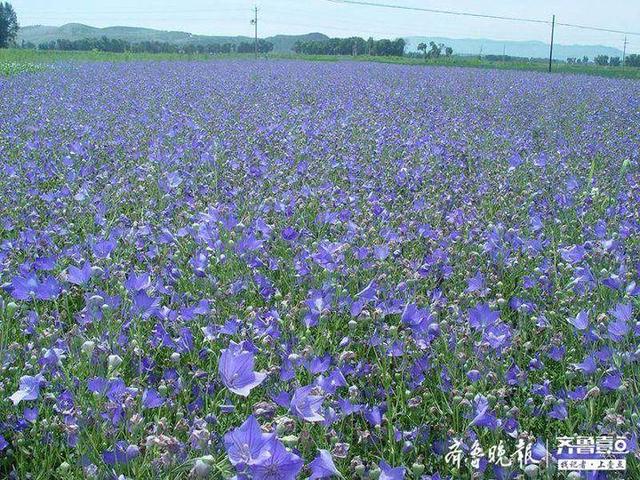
pixel 285 269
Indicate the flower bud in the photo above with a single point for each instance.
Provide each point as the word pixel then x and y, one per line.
pixel 531 471
pixel 11 309
pixel 88 347
pixel 290 440
pixel 114 361
pixel 200 469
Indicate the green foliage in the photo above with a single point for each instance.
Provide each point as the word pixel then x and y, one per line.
pixel 13 68
pixel 352 46
pixel 8 25
pixel 106 44
pixel 632 60
pixel 249 47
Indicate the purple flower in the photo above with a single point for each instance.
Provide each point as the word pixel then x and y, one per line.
pixel 30 414
pixel 307 406
pixel 387 472
pixel 619 328
pixel 247 444
pixel 588 365
pixel 476 283
pixel 122 453
pixel 151 399
pixel 29 389
pixel 3 443
pixel 79 276
pixel 280 464
pixel 612 380
pixel 484 417
pixel 104 248
pixel 289 234
pixel 29 287
pixel 236 370
pixel 481 316
pixel 136 282
pixel 145 305
pixel 580 321
pixel 322 466
pixel 515 160
pixel 559 411
pixel 573 254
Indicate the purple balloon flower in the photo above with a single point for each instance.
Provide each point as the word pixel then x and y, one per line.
pixel 29 389
pixel 322 466
pixel 387 472
pixel 236 370
pixel 484 417
pixel 247 444
pixel 151 399
pixel 481 316
pixel 580 321
pixel 79 276
pixel 122 453
pixel 30 287
pixel 307 406
pixel 279 464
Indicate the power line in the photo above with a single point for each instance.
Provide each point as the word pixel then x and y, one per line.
pixel 479 15
pixel 597 29
pixel 446 12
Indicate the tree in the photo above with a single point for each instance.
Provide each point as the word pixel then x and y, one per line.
pixel 422 47
pixel 249 47
pixel 601 60
pixel 8 25
pixel 632 60
pixel 435 51
pixel 614 61
pixel 448 51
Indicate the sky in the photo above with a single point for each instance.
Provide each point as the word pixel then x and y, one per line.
pixel 232 17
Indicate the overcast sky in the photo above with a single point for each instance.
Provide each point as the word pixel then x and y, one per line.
pixel 231 17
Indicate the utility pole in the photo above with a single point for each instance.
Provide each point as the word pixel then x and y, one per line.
pixel 553 28
pixel 504 53
pixel 624 50
pixel 255 24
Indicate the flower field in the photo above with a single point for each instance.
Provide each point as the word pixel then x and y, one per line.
pixel 288 269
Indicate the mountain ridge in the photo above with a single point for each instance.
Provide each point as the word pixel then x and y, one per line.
pixel 284 43
pixel 77 31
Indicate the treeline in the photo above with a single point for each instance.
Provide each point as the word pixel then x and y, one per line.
pixel 351 46
pixel 105 44
pixel 632 60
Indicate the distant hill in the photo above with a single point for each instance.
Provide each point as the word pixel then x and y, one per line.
pixel 529 49
pixel 76 31
pixel 284 43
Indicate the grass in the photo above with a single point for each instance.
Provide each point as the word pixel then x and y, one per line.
pixel 14 61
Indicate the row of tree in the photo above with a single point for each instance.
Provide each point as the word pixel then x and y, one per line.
pixel 606 60
pixel 632 60
pixel 105 44
pixel 434 50
pixel 8 25
pixel 351 46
